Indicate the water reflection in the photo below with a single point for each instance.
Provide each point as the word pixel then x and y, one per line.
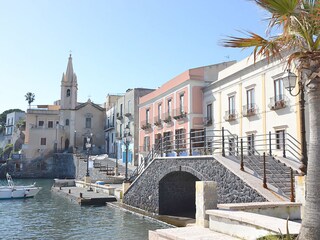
pixel 49 216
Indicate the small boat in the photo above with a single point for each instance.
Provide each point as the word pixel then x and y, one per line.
pixel 12 192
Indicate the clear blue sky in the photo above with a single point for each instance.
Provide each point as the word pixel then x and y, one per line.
pixel 115 44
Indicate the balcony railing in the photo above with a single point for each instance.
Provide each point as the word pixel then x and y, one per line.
pixel 167 117
pixel 145 125
pixel 119 116
pixel 278 102
pixel 128 114
pixel 207 121
pixel 230 115
pixel 249 110
pixel 157 121
pixel 180 113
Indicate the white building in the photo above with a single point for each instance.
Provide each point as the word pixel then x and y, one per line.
pixel 248 99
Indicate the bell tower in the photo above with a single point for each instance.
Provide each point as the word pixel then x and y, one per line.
pixel 69 88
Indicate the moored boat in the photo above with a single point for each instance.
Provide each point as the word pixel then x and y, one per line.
pixel 12 192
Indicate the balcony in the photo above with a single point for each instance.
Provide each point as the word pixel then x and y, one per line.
pixel 157 121
pixel 230 115
pixel 180 113
pixel 119 116
pixel 128 115
pixel 167 117
pixel 207 121
pixel 109 127
pixel 249 110
pixel 145 125
pixel 278 102
pixel 119 136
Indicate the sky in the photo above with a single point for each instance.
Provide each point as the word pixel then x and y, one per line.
pixel 115 44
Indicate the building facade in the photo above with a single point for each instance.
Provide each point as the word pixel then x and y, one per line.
pixel 65 125
pixel 175 110
pixel 250 102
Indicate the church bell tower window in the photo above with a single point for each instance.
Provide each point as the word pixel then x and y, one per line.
pixel 68 93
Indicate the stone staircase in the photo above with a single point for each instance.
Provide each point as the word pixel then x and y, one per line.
pixel 278 174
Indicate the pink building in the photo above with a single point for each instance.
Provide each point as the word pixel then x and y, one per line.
pixel 173 112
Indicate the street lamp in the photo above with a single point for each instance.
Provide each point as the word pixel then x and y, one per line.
pixel 75 141
pixel 289 81
pixel 88 147
pixel 126 140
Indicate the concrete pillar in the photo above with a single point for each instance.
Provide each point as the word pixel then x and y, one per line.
pixel 206 198
pixel 125 186
pixel 300 191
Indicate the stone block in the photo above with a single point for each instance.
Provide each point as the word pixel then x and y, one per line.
pixel 206 198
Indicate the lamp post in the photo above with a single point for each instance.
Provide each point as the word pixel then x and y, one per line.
pixel 126 140
pixel 289 82
pixel 88 147
pixel 75 141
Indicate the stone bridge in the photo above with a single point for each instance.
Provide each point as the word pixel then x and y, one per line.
pixel 167 185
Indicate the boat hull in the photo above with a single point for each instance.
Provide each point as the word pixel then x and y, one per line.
pixel 18 192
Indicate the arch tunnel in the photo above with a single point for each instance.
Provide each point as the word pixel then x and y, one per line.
pixel 177 194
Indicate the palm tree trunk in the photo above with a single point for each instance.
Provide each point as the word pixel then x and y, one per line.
pixel 311 220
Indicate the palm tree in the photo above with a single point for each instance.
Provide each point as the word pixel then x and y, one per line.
pixel 299 21
pixel 30 97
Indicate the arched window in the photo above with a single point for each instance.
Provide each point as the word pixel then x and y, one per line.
pixel 67 122
pixel 68 92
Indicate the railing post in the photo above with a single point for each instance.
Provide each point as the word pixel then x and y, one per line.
pixel 190 144
pixel 264 171
pixel 205 141
pixel 284 144
pixel 223 151
pixel 270 151
pixel 292 198
pixel 237 145
pixel 241 157
pixel 161 147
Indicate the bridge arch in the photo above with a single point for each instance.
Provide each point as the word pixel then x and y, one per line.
pixel 177 194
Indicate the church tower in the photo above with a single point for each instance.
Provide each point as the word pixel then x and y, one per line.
pixel 69 88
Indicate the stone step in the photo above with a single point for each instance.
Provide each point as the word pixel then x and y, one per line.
pixel 247 225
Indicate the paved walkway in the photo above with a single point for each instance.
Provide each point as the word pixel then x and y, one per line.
pixel 189 233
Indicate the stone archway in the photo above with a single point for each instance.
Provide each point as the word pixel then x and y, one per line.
pixel 177 194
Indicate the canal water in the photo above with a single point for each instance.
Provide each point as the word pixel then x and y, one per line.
pixel 49 216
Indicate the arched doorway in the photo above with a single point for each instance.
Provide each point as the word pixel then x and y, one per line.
pixel 177 194
pixel 66 144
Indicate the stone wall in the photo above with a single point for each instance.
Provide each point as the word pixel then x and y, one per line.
pixel 144 193
pixel 57 166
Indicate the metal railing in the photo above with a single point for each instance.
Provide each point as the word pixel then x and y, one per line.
pixel 249 151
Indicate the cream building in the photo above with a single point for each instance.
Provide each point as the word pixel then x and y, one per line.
pixel 65 125
pixel 249 100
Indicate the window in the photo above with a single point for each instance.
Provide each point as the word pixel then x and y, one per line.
pixel 121 109
pixel 41 123
pixel 250 99
pixel 169 107
pixel 121 130
pixel 50 124
pixel 88 122
pixel 159 111
pixel 181 103
pixel 129 103
pixel 43 141
pixel 67 122
pixel 279 139
pixel 232 105
pixel 250 143
pixel 68 92
pixel 146 144
pixel 167 141
pixel 209 112
pixel 147 116
pixel 180 139
pixel 278 90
